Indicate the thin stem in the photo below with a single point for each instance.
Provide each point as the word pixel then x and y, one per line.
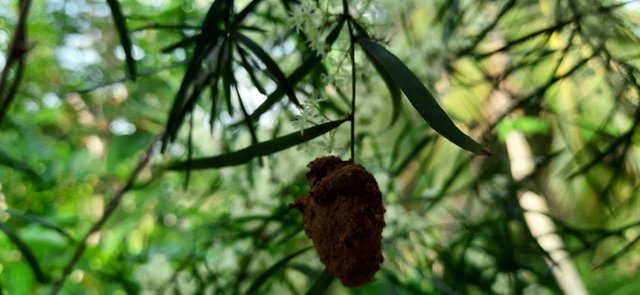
pixel 111 208
pixel 353 80
pixel 16 54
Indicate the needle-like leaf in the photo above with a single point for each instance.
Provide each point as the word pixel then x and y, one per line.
pixel 261 149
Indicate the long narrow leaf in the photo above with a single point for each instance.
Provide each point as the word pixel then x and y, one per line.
pixel 245 11
pixel 206 42
pixel 249 67
pixel 261 149
pixel 321 284
pixel 181 44
pixel 394 90
pixel 41 221
pixel 26 252
pixel 272 67
pixel 176 116
pixel 421 99
pixel 262 278
pixel 121 27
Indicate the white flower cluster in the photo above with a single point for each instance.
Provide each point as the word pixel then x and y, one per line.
pixel 3 207
pixel 401 221
pixel 309 113
pixel 307 18
pixel 156 276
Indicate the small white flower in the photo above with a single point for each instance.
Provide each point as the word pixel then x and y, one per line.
pixel 153 274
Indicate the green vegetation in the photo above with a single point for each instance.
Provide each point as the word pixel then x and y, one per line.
pixel 153 147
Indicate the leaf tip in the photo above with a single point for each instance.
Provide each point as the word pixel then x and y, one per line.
pixel 485 152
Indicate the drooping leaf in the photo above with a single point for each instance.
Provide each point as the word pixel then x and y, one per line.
pixel 322 283
pixel 394 90
pixel 26 251
pixel 121 27
pixel 271 66
pixel 261 149
pixel 421 99
pixel 263 277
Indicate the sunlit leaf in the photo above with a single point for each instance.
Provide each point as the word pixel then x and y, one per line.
pixel 527 125
pixel 421 99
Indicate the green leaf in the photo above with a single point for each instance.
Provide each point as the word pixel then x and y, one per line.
pixel 525 124
pixel 41 221
pixel 209 40
pixel 26 252
pixel 244 12
pixel 261 149
pixel 322 283
pixel 394 90
pixel 421 99
pixel 249 67
pixel 262 278
pixel 121 26
pixel 272 67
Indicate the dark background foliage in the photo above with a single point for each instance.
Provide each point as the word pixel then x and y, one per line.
pixel 154 146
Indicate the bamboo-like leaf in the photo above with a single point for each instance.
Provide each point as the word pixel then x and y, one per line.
pixel 249 67
pixel 244 12
pixel 121 27
pixel 26 252
pixel 421 99
pixel 227 77
pixel 262 278
pixel 322 283
pixel 261 149
pixel 214 90
pixel 272 67
pixel 394 90
pixel 206 42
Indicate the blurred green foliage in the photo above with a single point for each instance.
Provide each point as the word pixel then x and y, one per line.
pixel 165 82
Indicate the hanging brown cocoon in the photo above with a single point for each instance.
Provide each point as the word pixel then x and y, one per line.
pixel 343 215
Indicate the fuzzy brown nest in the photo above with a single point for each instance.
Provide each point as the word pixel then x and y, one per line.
pixel 343 215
